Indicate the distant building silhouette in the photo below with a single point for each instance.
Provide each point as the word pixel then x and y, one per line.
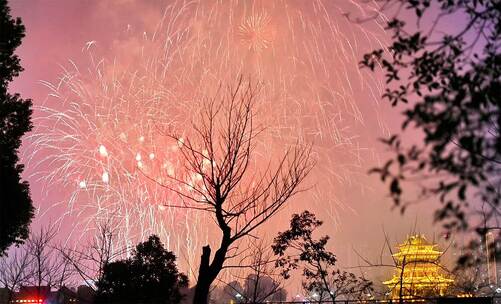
pixel 32 294
pixel 4 295
pixel 85 294
pixel 43 295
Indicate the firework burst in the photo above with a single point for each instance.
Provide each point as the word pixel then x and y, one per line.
pixel 100 139
pixel 256 32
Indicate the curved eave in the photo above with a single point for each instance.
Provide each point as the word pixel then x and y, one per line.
pixel 419 280
pixel 434 253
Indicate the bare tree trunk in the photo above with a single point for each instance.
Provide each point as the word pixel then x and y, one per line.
pixel 203 284
pixel 208 272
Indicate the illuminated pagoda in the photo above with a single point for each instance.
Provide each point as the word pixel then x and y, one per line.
pixel 418 272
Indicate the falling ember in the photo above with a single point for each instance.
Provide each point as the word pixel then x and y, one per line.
pixel 102 151
pixel 82 184
pixel 105 177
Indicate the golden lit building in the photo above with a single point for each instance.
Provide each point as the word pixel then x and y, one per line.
pixel 418 272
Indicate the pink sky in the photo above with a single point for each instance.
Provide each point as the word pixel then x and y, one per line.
pixel 57 31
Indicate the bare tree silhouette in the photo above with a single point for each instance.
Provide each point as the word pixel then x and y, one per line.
pixel 88 260
pixel 14 271
pixel 239 200
pixel 37 262
pixel 47 267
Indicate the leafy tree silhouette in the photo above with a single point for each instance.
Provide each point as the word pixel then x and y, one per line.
pixel 447 81
pixel 149 276
pixel 16 208
pixel 297 248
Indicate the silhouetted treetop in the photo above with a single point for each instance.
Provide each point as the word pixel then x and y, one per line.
pixel 150 275
pixel 10 38
pixel 296 248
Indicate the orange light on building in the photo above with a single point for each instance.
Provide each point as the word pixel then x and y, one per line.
pixel 29 301
pixel 418 272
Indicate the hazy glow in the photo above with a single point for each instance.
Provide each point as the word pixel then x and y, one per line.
pixel 100 141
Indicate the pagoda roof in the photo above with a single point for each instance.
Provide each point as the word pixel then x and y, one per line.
pixel 424 272
pixel 417 245
pixel 417 240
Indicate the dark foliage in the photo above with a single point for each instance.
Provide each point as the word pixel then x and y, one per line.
pixel 149 276
pixel 320 277
pixel 448 83
pixel 16 209
pixel 299 237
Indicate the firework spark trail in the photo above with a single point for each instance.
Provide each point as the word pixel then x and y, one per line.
pixel 100 137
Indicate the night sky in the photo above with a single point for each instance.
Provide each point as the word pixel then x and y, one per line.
pixel 305 52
